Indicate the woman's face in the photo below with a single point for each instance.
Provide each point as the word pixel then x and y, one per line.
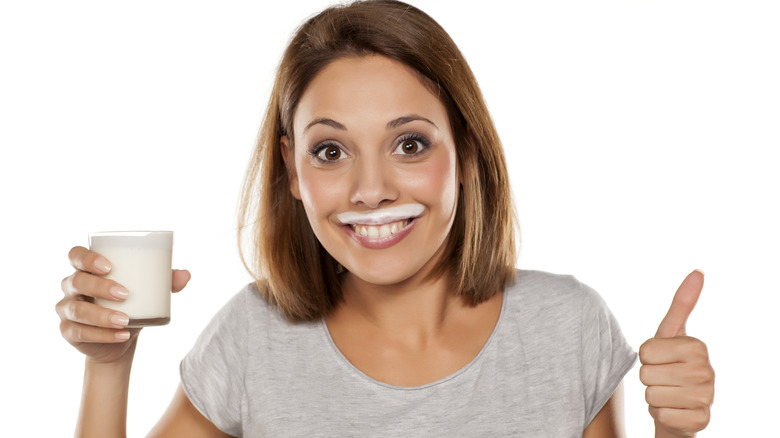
pixel 375 168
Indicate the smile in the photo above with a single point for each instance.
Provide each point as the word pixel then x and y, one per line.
pixel 381 228
pixel 380 236
pixel 380 231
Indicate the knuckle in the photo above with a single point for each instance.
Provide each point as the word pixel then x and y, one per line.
pixel 704 400
pixel 697 346
pixel 73 252
pixel 64 331
pixel 76 333
pixel 65 284
pixel 649 395
pixel 644 372
pixel 709 374
pixel 77 280
pixel 701 374
pixel 644 350
pixel 73 311
pixel 59 307
pixel 700 420
pixel 661 415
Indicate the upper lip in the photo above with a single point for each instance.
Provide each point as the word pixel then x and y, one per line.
pixel 381 216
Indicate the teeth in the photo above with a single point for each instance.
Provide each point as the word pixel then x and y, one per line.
pixel 379 231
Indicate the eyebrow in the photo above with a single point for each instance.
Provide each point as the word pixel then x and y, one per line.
pixel 325 121
pixel 390 125
pixel 407 119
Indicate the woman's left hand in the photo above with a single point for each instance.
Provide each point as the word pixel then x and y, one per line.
pixel 676 369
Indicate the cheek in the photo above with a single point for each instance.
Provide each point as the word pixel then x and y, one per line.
pixel 437 182
pixel 319 194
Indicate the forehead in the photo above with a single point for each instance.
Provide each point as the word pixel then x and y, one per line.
pixel 370 87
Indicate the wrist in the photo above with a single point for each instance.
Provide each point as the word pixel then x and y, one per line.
pixel 663 432
pixel 116 367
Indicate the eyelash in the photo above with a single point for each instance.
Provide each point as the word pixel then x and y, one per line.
pixel 316 150
pixel 415 137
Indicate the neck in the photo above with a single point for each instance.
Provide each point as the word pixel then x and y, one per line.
pixel 413 310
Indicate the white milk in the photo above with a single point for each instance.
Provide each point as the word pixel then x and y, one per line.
pixel 141 262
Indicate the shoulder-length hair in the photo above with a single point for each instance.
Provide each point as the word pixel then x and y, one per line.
pixel 292 269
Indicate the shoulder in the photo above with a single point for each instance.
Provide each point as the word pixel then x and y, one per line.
pixel 547 288
pixel 246 311
pixel 543 299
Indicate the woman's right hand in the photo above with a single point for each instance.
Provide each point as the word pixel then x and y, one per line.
pixel 100 333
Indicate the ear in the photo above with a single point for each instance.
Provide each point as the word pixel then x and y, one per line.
pixel 289 163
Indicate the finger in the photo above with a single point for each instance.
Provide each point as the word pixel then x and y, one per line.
pixel 658 351
pixel 687 421
pixel 85 260
pixel 677 398
pixel 77 333
pixel 663 375
pixel 84 312
pixel 676 374
pixel 683 303
pixel 84 283
pixel 180 279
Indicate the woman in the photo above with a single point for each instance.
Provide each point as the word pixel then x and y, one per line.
pixel 387 302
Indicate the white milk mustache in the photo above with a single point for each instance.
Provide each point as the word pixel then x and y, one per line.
pixel 381 216
pixel 141 262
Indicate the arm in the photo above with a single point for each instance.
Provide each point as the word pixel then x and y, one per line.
pixel 103 409
pixel 102 336
pixel 183 420
pixel 609 422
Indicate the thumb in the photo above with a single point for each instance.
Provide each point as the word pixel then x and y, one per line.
pixel 683 303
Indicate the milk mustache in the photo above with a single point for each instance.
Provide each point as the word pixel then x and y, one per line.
pixel 141 262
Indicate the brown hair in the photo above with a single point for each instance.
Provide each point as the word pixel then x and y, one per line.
pixel 293 270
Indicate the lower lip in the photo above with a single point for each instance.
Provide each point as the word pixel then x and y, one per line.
pixel 380 242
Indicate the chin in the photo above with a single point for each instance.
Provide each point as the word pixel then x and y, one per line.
pixel 383 273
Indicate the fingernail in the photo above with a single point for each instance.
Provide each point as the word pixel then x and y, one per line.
pixel 122 336
pixel 119 320
pixel 118 292
pixel 102 265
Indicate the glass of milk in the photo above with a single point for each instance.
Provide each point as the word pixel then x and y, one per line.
pixel 141 262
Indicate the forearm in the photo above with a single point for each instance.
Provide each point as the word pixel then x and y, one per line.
pixel 103 410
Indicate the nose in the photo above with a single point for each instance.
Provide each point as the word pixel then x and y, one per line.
pixel 373 183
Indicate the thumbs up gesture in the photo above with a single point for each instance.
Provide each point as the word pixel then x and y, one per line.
pixel 676 369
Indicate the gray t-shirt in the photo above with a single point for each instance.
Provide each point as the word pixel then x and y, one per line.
pixel 555 357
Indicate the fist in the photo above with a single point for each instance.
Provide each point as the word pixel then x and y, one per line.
pixel 676 369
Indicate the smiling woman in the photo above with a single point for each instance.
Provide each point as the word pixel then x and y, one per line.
pixel 386 300
pixel 479 255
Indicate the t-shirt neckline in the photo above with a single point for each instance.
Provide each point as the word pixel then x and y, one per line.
pixel 339 356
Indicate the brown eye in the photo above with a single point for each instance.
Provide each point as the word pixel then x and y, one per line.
pixel 329 153
pixel 409 147
pixel 332 153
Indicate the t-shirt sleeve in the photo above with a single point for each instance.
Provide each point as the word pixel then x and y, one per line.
pixel 606 355
pixel 212 373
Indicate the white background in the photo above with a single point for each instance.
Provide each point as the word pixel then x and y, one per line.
pixel 642 141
